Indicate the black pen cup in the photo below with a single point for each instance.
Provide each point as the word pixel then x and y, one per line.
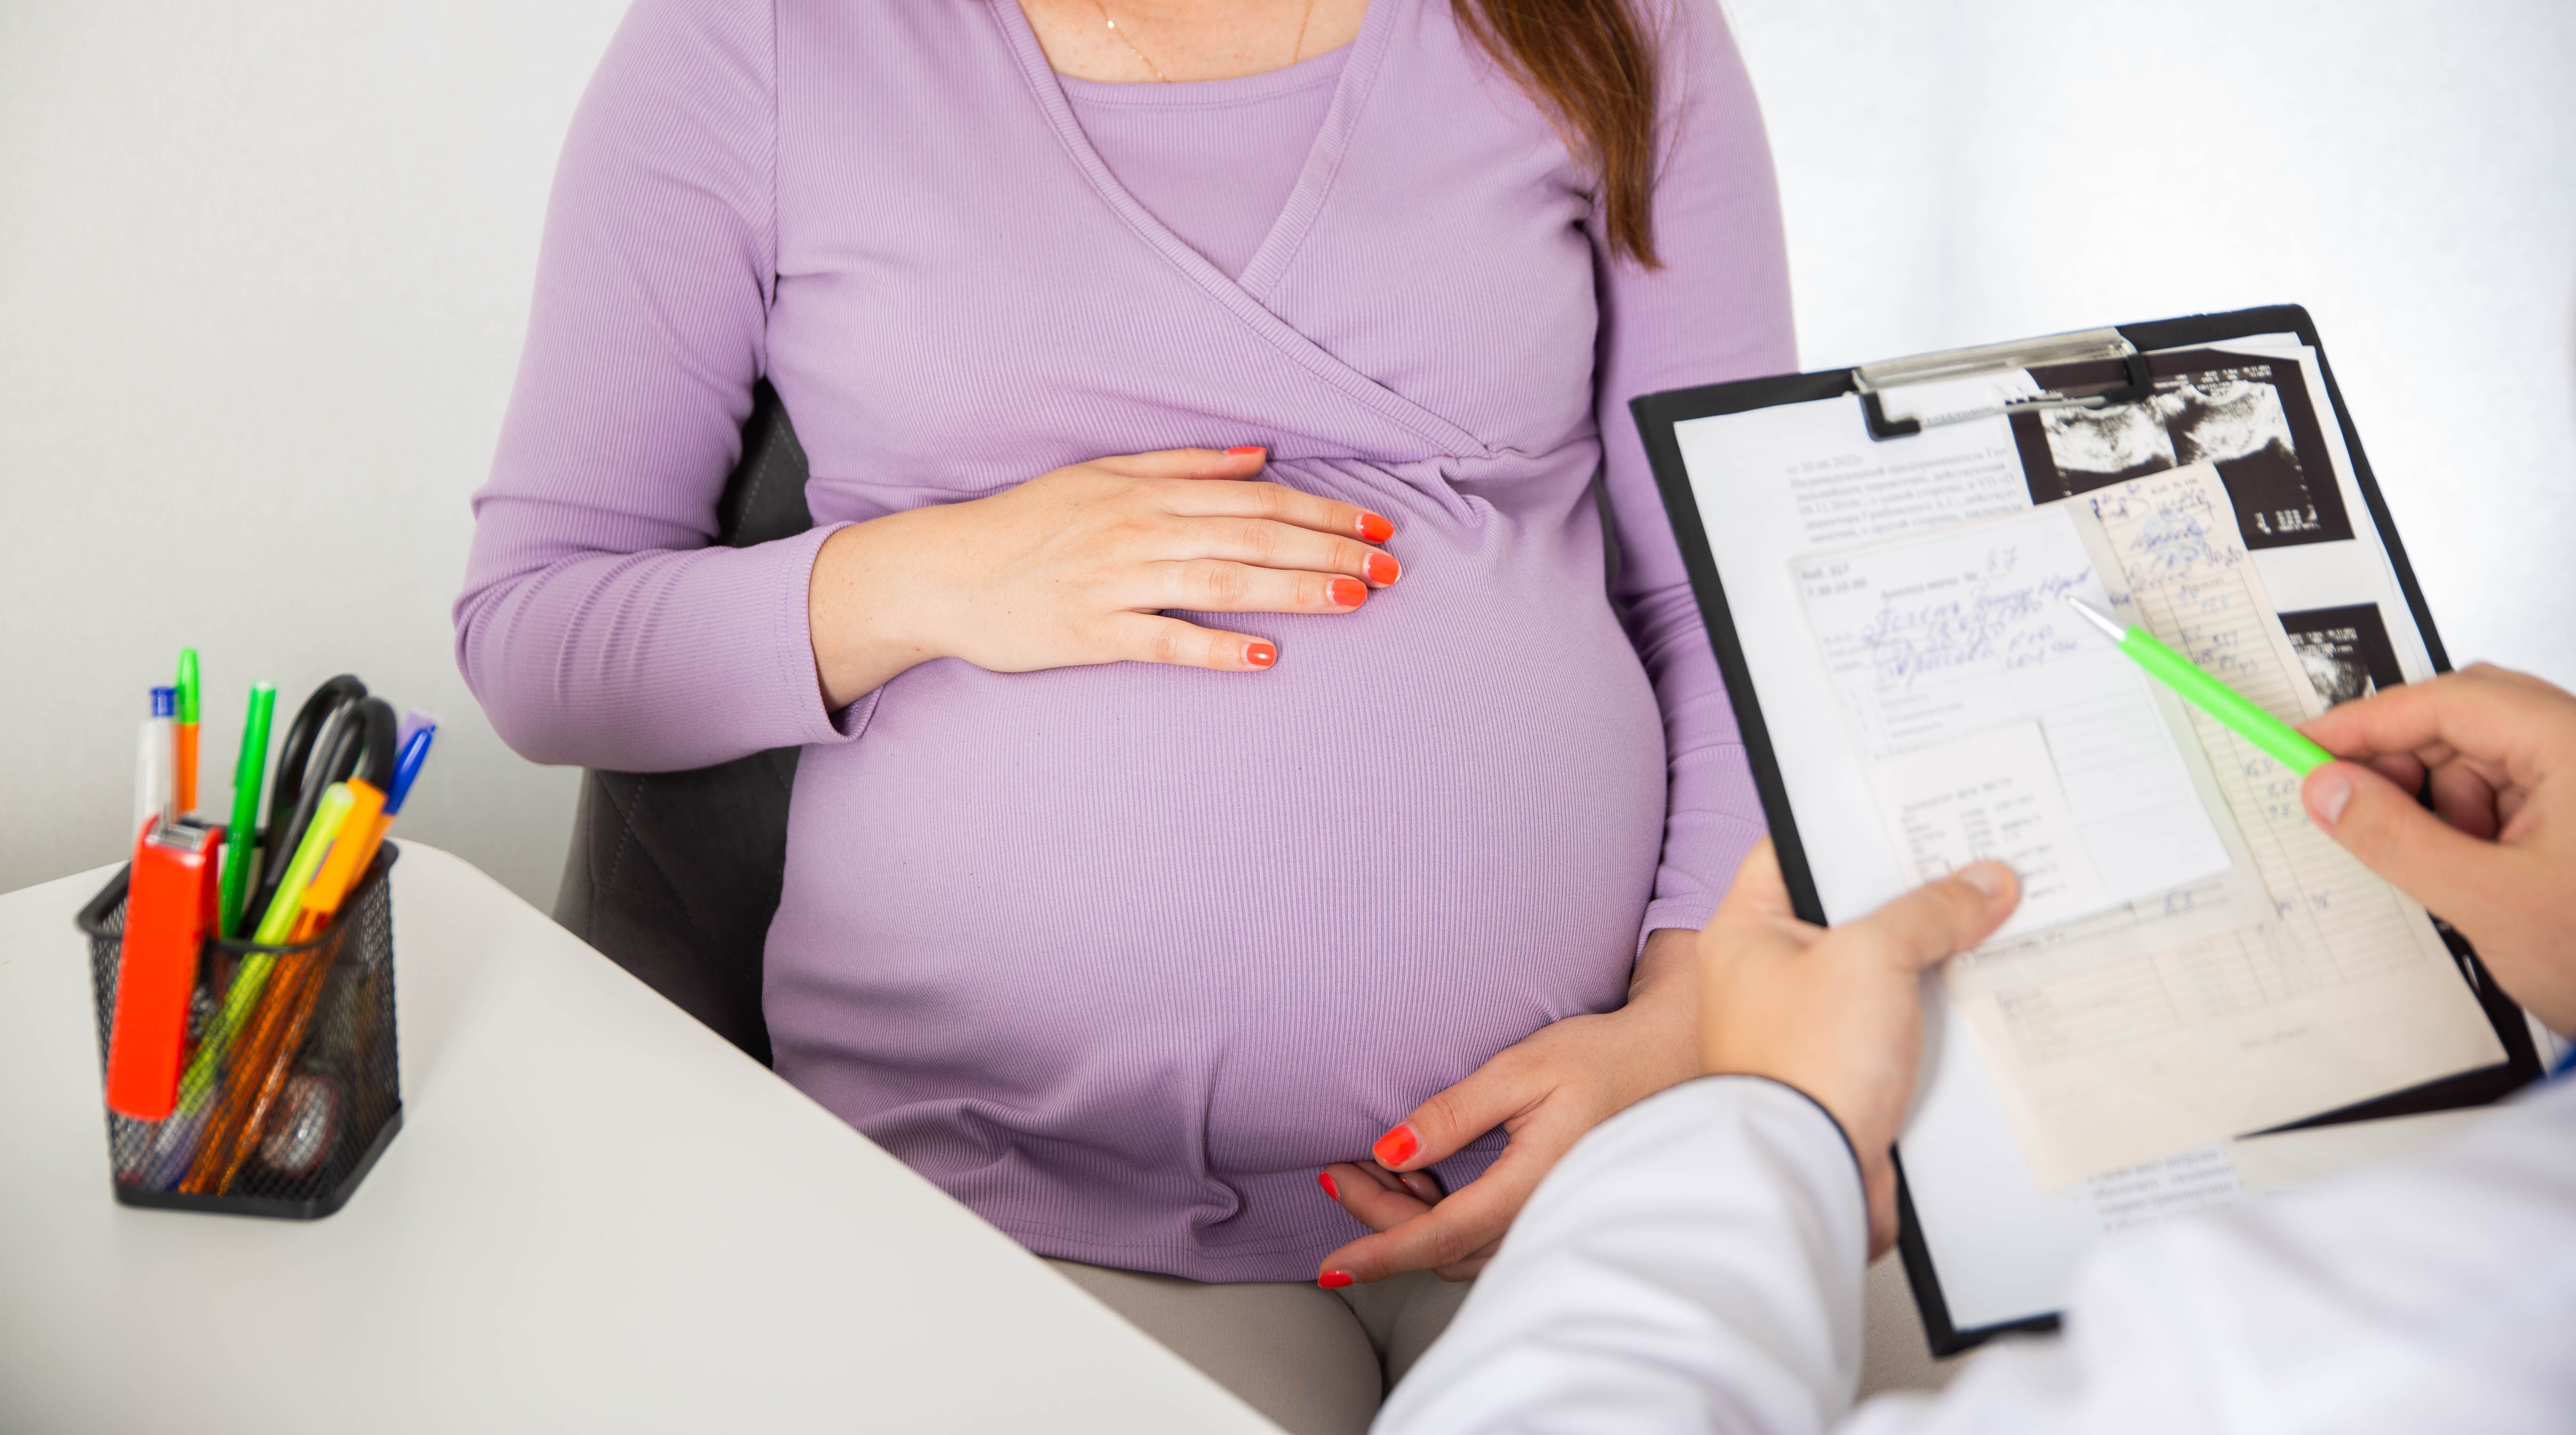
pixel 304 1090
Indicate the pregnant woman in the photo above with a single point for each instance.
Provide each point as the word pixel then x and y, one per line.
pixel 1225 764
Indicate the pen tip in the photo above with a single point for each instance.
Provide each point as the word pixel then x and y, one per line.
pixel 413 721
pixel 2110 626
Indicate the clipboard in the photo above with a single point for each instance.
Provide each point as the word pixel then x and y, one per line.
pixel 1899 401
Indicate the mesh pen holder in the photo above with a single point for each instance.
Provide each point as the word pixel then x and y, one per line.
pixel 305 1094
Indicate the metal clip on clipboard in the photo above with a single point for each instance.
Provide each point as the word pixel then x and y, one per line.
pixel 2088 346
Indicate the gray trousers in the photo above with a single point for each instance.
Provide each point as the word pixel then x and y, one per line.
pixel 1316 1361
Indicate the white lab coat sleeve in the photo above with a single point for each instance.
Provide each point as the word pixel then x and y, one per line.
pixel 1693 1264
pixel 2435 1294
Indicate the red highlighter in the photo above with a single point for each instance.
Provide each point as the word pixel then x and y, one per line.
pixel 169 908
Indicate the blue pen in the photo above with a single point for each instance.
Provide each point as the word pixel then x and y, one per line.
pixel 413 720
pixel 415 751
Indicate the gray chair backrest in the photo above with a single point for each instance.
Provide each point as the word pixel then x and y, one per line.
pixel 675 875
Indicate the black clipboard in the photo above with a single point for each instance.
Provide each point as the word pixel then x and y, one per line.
pixel 1658 414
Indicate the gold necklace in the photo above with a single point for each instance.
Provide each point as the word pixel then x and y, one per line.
pixel 1298 52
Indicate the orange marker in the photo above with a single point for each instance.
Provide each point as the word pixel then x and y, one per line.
pixel 351 851
pixel 187 755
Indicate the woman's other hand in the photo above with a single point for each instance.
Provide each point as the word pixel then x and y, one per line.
pixel 1546 1091
pixel 2499 861
pixel 1075 566
pixel 1837 1013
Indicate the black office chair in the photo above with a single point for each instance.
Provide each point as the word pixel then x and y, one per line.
pixel 675 875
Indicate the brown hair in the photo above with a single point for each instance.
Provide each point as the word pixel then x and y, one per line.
pixel 1591 65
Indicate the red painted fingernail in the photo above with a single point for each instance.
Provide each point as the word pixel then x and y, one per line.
pixel 1396 1147
pixel 1346 592
pixel 1240 452
pixel 1260 655
pixel 1329 1188
pixel 1335 1280
pixel 1375 529
pixel 1381 569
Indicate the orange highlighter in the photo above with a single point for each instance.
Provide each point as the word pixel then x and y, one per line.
pixel 169 908
pixel 360 833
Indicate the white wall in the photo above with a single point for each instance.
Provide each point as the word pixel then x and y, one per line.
pixel 264 266
pixel 1963 171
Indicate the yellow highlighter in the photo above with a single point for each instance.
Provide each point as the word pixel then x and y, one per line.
pixel 251 978
pixel 329 815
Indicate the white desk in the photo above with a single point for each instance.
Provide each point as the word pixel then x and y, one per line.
pixel 598 1216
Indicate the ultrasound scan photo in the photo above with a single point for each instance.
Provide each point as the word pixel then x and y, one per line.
pixel 2346 651
pixel 2249 417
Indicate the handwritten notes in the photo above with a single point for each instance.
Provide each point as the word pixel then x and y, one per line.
pixel 2118 1043
pixel 1994 724
pixel 2195 586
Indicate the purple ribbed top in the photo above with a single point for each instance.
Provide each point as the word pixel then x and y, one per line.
pixel 1122 955
pixel 1216 161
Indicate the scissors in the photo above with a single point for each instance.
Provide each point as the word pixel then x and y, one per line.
pixel 339 733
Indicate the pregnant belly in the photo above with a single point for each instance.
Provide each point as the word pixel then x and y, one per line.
pixel 1157 920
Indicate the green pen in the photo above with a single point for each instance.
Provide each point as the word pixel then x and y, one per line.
pixel 2209 694
pixel 248 771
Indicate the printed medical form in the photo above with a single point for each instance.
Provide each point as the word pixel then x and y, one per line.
pixel 2193 961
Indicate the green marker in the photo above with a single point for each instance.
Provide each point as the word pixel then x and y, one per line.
pixel 2209 694
pixel 187 685
pixel 248 771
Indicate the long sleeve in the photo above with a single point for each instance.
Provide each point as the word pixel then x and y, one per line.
pixel 1717 310
pixel 1694 1265
pixel 597 624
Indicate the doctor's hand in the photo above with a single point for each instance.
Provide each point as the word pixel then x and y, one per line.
pixel 2499 860
pixel 1546 1091
pixel 1075 567
pixel 1837 1013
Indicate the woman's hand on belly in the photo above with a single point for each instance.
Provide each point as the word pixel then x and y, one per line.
pixel 1075 566
pixel 1547 1090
